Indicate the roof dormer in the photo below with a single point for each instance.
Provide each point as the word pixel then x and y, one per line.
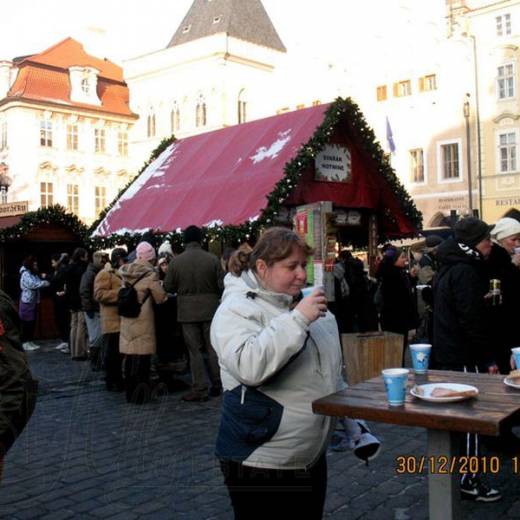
pixel 83 85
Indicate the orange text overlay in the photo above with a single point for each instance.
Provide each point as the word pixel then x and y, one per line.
pixel 439 465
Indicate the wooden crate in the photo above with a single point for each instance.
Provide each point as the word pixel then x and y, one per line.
pixel 366 354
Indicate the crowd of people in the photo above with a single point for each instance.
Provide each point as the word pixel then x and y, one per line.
pixel 250 334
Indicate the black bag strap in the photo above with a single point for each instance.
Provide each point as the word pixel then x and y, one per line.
pixel 138 280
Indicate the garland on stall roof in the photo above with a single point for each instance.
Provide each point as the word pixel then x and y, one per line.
pixel 51 215
pixel 341 110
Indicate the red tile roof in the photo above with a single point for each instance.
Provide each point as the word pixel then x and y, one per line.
pixel 44 77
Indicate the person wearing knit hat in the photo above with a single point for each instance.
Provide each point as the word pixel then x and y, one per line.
pixel 504 265
pixel 145 251
pixel 165 247
pixel 137 339
pixel 471 231
pixel 463 339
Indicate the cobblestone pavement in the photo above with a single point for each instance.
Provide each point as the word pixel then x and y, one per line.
pixel 86 454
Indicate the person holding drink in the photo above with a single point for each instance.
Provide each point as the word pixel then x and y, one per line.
pixel 504 273
pixel 278 352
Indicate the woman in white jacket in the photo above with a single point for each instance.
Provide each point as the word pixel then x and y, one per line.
pixel 276 357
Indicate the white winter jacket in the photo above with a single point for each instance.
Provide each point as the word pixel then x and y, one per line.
pixel 274 364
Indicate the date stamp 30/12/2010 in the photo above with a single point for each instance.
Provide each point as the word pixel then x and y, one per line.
pixel 439 465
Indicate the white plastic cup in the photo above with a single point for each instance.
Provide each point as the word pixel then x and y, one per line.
pixel 517 250
pixel 395 380
pixel 306 291
pixel 420 357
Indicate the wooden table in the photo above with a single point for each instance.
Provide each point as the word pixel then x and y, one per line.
pixel 496 406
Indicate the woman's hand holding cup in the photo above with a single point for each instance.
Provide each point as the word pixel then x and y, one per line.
pixel 313 305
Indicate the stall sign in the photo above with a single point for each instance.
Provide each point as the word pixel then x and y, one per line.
pixel 11 209
pixel 333 164
pixel 348 218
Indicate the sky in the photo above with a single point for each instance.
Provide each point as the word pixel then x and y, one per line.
pixel 334 30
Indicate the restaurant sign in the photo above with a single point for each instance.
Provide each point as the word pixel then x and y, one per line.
pixel 11 209
pixel 333 164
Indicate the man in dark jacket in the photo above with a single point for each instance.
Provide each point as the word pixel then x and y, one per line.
pixel 91 307
pixel 462 337
pixel 196 276
pixel 17 387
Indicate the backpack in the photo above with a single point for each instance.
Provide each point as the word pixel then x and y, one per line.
pixel 128 304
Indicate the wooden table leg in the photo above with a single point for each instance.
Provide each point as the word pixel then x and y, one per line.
pixel 444 489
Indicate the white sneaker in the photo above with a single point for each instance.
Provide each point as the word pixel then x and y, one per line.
pixel 29 345
pixel 62 346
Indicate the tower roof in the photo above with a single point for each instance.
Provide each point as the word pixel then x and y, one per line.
pixel 242 19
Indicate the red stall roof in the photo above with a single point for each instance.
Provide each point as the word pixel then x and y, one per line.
pixel 221 177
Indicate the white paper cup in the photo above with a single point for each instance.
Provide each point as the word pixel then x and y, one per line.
pixel 306 291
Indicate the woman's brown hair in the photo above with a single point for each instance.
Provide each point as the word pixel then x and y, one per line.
pixel 275 244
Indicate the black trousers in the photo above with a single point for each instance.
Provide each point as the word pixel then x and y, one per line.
pixel 113 360
pixel 137 378
pixel 28 330
pixel 270 494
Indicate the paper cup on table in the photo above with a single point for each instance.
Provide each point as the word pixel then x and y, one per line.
pixel 420 357
pixel 516 356
pixel 395 383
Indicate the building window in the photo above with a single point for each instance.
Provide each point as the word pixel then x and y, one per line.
pixel 101 199
pixel 72 137
pixel 217 19
pixel 242 107
pixel 427 83
pixel 150 125
pixel 99 140
pixel 503 25
pixel 73 198
pixel 506 81
pixel 122 143
pixel 186 29
pixel 417 165
pixel 46 194
pixel 46 132
pixel 382 93
pixel 85 85
pixel 3 135
pixel 200 112
pixel 450 161
pixel 507 152
pixel 175 118
pixel 316 103
pixel 403 88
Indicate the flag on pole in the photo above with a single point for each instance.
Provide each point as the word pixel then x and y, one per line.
pixel 390 136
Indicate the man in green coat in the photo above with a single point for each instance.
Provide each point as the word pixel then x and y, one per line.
pixel 17 387
pixel 196 277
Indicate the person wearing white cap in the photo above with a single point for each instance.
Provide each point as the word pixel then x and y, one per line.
pixel 504 265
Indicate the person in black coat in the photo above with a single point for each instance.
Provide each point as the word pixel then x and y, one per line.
pixel 399 309
pixel 462 336
pixel 504 265
pixel 78 331
pixel 59 264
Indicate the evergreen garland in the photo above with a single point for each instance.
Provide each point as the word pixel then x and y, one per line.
pixel 51 215
pixel 342 110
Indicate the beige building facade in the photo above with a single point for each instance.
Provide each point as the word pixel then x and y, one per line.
pixel 64 127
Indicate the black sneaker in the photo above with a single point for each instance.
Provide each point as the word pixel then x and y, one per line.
pixel 472 488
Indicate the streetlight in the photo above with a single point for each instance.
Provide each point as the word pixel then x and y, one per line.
pixel 466 111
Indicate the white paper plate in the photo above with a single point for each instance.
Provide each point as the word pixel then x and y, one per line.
pixel 456 387
pixel 510 383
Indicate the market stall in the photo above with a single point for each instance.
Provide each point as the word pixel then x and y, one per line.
pixel 236 180
pixel 40 233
